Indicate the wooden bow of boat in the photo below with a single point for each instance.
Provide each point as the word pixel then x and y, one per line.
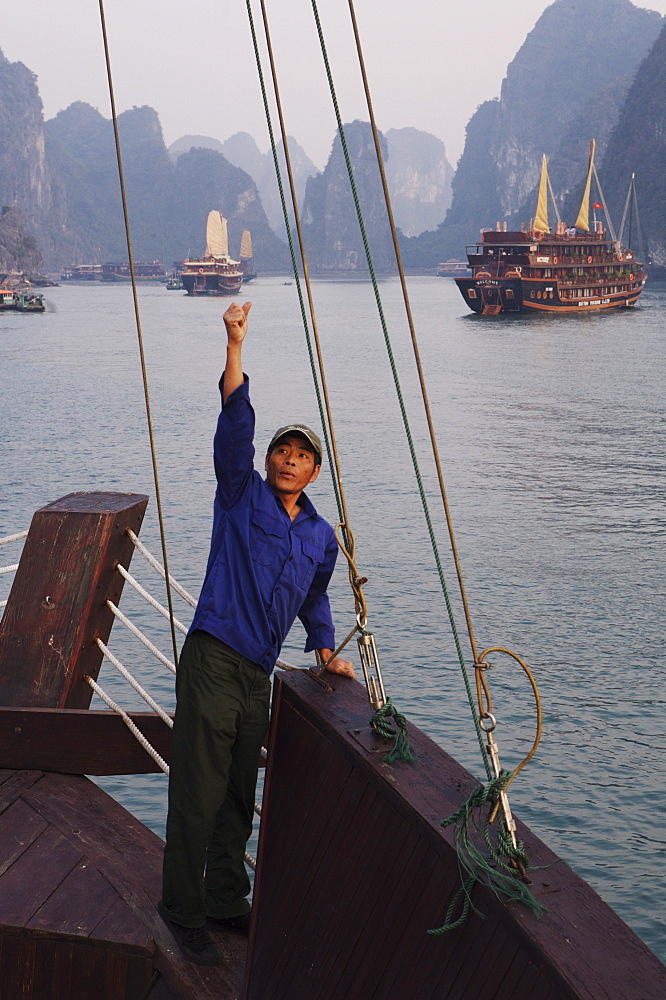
pixel 354 866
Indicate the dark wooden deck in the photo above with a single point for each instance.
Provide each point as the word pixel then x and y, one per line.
pixel 354 867
pixel 79 880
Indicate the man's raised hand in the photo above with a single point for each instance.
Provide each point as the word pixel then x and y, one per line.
pixel 235 321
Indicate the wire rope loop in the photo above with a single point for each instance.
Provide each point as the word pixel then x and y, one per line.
pixel 489 718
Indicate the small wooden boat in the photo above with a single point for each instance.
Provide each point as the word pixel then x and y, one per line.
pixel 573 270
pixel 354 866
pixel 215 273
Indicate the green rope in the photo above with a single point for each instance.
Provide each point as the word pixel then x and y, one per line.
pixel 381 722
pixel 401 402
pixel 294 264
pixel 493 871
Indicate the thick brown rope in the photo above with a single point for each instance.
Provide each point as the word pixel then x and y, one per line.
pixel 144 374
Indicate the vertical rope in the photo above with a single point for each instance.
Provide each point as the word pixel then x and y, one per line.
pixel 401 402
pixel 144 374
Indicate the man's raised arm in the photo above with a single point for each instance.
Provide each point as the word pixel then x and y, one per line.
pixel 235 321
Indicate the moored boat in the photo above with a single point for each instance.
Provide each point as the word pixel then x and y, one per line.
pixel 215 273
pixel 247 258
pixel 452 269
pixel 581 268
pixel 143 272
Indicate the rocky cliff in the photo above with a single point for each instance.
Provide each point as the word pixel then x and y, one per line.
pixel 569 78
pixel 332 233
pixel 638 143
pixel 26 180
pixel 19 250
pixel 419 178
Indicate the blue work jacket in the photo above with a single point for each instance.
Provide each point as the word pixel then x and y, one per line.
pixel 264 569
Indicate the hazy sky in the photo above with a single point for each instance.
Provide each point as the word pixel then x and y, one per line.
pixel 430 63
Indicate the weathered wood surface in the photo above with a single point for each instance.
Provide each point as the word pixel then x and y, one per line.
pixel 80 741
pixel 79 880
pixel 57 605
pixel 355 867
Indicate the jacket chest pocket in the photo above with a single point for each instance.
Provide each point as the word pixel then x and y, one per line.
pixel 311 558
pixel 269 544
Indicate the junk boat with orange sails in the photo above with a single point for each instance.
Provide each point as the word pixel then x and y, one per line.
pixel 575 269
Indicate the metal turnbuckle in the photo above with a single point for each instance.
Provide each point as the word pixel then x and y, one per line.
pixel 371 669
pixel 493 753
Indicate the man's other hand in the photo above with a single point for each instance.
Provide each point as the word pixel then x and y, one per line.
pixel 338 666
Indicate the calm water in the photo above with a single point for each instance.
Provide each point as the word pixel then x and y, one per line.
pixel 552 439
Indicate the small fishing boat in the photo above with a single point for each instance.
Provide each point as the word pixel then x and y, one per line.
pixel 30 302
pixel 215 273
pixel 20 300
pixel 247 258
pixel 174 284
pixel 581 268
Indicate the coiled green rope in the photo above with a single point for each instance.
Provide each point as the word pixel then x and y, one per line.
pixel 501 878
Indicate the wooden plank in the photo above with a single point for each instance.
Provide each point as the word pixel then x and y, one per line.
pixel 77 905
pixel 80 741
pixel 34 876
pixel 57 605
pixel 122 926
pixel 14 783
pixel 20 826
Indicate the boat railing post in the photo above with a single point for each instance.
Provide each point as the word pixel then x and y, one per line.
pixel 57 605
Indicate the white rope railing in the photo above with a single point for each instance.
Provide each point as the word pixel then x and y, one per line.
pixel 134 729
pixel 141 637
pixel 8 569
pixel 159 568
pixel 135 684
pixel 13 538
pixel 151 600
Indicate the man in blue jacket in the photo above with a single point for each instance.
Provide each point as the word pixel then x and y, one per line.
pixel 271 559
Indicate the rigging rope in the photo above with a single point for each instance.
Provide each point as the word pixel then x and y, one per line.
pixel 367 649
pixel 135 299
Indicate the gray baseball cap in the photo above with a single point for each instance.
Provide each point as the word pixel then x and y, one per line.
pixel 304 431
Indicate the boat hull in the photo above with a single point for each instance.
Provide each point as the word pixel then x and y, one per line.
pixel 492 296
pixel 211 281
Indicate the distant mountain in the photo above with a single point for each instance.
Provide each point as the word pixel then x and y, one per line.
pixel 26 179
pixel 566 85
pixel 168 204
pixel 419 178
pixel 188 142
pixel 330 224
pixel 638 143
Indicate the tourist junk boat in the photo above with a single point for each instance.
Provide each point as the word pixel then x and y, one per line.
pixel 215 273
pixel 576 269
pixel 247 258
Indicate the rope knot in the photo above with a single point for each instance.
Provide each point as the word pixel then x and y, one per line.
pixel 381 722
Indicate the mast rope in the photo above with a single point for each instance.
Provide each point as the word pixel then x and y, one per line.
pixel 137 316
pixel 401 749
pixel 506 832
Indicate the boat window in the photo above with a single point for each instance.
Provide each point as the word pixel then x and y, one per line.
pixel 471 293
pixel 509 293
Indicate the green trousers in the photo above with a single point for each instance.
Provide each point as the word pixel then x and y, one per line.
pixel 221 722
